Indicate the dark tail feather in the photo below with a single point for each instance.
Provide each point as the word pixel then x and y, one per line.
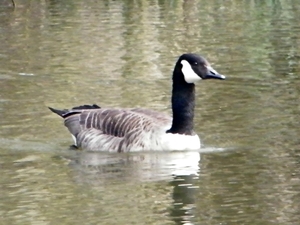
pixel 94 106
pixel 59 112
pixel 66 112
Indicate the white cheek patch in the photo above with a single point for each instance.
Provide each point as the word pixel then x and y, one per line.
pixel 189 75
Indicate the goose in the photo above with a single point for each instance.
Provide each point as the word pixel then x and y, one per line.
pixel 94 128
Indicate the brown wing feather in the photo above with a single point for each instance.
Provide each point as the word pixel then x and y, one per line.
pixel 112 129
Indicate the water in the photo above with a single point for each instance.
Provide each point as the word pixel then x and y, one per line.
pixel 121 53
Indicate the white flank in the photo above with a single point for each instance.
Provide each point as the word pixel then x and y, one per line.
pixel 181 142
pixel 159 140
pixel 74 138
pixel 189 75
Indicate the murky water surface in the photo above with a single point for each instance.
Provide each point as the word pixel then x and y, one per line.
pixel 121 53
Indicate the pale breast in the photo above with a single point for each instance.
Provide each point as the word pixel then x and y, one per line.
pixel 159 140
pixel 181 142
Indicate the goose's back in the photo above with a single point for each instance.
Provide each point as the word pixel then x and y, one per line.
pixel 117 129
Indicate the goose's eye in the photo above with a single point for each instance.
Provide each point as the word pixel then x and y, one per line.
pixel 195 63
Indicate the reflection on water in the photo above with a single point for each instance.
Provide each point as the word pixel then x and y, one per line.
pixel 41 188
pixel 136 167
pixel 121 53
pixel 182 168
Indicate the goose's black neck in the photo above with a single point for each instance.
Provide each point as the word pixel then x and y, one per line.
pixel 183 104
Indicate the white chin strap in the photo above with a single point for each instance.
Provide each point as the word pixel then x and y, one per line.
pixel 189 75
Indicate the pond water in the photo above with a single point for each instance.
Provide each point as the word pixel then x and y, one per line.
pixel 121 54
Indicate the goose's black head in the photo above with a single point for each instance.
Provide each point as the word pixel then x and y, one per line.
pixel 195 67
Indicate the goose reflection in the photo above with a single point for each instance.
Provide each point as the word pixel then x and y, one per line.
pixel 96 167
pixel 177 172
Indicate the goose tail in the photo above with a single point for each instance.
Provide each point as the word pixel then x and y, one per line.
pixel 77 109
pixel 59 112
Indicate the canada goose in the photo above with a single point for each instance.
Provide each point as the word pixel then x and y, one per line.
pixel 123 130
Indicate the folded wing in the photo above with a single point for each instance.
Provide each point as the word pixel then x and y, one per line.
pixel 114 129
